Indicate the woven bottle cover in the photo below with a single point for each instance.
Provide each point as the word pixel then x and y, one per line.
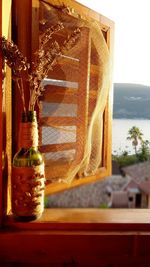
pixel 28 190
pixel 28 135
pixel 28 182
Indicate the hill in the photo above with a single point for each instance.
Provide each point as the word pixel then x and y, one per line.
pixel 131 101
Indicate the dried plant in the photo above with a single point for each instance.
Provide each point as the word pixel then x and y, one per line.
pixel 44 61
pixel 17 62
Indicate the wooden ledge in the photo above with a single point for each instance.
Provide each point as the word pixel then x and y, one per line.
pixel 81 236
pixel 87 220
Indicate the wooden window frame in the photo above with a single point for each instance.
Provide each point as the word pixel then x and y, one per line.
pixel 24 30
pixel 122 234
pixel 1 188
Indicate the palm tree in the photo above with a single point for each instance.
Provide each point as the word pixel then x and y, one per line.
pixel 135 135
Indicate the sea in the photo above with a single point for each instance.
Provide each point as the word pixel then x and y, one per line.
pixel 120 130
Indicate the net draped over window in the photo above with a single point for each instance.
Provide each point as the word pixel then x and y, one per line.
pixel 75 97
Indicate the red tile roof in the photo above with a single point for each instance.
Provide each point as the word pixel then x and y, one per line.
pixel 139 172
pixel 140 175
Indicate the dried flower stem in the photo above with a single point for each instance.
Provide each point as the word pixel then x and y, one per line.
pixel 42 62
pixel 17 62
pixel 45 59
pixel 20 87
pixel 46 36
pixel 59 51
pixel 71 41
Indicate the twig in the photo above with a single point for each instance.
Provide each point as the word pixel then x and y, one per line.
pixel 20 87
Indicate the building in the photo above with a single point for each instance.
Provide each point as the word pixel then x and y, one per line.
pixel 136 192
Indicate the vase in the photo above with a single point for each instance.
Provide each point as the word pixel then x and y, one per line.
pixel 28 178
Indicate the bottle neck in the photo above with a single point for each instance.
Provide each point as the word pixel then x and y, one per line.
pixel 29 116
pixel 28 134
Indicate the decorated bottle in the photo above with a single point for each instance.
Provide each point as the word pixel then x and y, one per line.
pixel 28 177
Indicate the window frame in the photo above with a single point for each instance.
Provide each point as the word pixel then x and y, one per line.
pixel 107 26
pixel 1 190
pixel 19 13
pixel 74 235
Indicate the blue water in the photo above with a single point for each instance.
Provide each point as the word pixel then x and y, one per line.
pixel 120 133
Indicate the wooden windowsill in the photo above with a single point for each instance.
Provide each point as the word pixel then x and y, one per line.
pixel 86 220
pixel 83 236
pixel 79 237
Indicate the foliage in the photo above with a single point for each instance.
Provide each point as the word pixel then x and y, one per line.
pixel 135 135
pixel 46 202
pixel 103 206
pixel 124 159
pixel 143 154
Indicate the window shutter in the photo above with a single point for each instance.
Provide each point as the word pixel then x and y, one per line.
pixel 64 130
pixel 72 93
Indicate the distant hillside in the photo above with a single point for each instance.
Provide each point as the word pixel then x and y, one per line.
pixel 131 101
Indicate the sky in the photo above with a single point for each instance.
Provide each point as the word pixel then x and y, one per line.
pixel 132 37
